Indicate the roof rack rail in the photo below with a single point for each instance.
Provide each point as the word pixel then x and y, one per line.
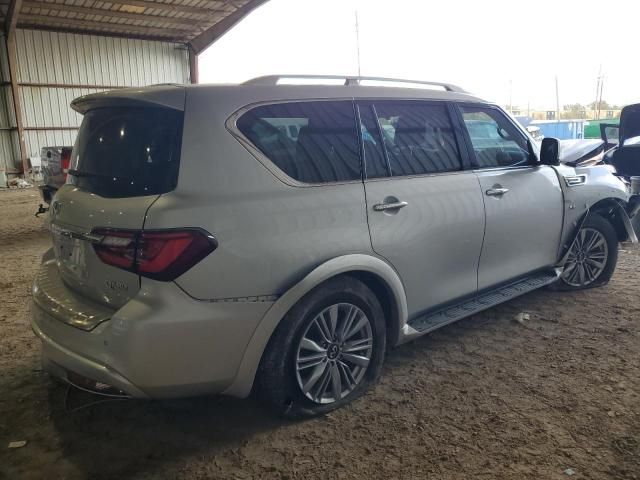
pixel 349 80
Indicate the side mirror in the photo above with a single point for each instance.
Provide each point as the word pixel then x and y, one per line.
pixel 550 151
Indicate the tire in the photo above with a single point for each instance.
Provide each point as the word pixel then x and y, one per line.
pixel 284 369
pixel 600 231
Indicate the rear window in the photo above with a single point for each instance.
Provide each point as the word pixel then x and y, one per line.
pixel 312 142
pixel 128 152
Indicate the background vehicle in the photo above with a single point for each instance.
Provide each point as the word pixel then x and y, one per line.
pixel 55 166
pixel 624 141
pixel 200 248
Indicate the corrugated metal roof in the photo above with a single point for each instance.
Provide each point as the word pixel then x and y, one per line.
pixel 173 20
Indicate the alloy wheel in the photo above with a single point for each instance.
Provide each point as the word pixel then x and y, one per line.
pixel 334 353
pixel 587 259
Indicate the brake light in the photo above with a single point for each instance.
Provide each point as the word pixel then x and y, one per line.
pixel 65 162
pixel 159 254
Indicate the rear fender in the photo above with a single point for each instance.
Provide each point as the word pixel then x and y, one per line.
pixel 243 382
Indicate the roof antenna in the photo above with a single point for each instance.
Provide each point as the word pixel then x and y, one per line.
pixel 358 42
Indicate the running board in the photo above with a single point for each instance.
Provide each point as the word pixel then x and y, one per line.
pixel 432 320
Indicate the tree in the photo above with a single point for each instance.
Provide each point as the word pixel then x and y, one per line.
pixel 603 106
pixel 574 110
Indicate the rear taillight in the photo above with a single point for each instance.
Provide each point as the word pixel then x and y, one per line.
pixel 159 254
pixel 65 162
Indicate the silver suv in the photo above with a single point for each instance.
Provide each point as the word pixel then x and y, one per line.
pixel 279 238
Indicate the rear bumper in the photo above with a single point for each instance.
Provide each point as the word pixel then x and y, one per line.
pixel 161 344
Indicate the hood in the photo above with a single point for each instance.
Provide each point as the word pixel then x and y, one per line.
pixel 581 152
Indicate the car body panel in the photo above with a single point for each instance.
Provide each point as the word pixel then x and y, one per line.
pixel 75 213
pixel 523 225
pixel 435 241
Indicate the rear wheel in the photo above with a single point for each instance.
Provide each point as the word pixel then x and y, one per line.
pixel 326 352
pixel 593 256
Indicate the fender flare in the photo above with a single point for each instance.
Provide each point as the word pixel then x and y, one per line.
pixel 243 382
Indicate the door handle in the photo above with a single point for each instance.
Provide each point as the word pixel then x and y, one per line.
pixel 382 207
pixel 496 191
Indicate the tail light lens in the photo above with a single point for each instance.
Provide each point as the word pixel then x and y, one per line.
pixel 65 162
pixel 159 254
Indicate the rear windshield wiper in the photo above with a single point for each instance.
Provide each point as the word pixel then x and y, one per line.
pixel 79 173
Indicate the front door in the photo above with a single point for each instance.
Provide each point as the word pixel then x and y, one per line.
pixel 426 214
pixel 523 200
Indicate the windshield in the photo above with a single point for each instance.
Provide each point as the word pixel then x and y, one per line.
pixel 127 152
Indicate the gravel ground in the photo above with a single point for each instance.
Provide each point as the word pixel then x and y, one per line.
pixel 486 398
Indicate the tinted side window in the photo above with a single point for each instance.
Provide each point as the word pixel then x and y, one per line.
pixel 313 142
pixel 495 140
pixel 418 138
pixel 373 150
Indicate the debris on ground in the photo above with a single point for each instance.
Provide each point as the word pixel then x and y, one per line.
pixel 522 317
pixel 569 471
pixel 19 183
pixel 18 444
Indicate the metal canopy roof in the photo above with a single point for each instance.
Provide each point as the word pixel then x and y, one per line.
pixel 198 23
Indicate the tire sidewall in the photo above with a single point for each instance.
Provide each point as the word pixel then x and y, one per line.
pixel 289 333
pixel 597 222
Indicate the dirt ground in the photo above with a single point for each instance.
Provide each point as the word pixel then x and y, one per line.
pixel 486 398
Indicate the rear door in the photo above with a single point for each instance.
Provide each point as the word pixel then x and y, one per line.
pixel 425 211
pixel 123 159
pixel 523 200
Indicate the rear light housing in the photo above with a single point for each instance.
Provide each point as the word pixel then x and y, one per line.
pixel 158 254
pixel 65 162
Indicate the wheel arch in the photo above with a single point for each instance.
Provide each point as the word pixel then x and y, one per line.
pixel 373 271
pixel 611 209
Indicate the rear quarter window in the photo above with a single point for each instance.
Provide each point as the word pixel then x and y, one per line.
pixel 312 142
pixel 128 152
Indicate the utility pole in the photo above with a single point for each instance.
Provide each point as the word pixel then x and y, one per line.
pixel 595 104
pixel 358 43
pixel 600 98
pixel 557 101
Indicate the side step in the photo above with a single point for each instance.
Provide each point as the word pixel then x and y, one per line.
pixel 432 320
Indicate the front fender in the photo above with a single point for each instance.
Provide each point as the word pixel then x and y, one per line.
pixel 616 204
pixel 241 386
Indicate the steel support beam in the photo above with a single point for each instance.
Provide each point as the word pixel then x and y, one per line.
pixel 193 65
pixel 10 28
pixel 209 36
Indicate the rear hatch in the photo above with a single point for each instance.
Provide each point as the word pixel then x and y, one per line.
pixel 127 153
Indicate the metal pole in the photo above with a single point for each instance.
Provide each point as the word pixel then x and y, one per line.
pixel 557 102
pixel 358 43
pixel 600 98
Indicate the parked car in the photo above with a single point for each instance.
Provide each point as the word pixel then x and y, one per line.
pixel 55 165
pixel 198 248
pixel 623 142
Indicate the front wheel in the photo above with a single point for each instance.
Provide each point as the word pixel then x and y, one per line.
pixel 326 352
pixel 593 256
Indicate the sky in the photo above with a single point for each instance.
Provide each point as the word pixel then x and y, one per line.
pixel 496 49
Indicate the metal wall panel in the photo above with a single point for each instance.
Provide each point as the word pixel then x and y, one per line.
pixel 57 62
pixel 67 58
pixel 8 138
